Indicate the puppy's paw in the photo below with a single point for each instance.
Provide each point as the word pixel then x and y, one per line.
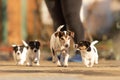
pixel 20 63
pixel 35 61
pixel 37 64
pixel 96 62
pixel 87 65
pixel 65 65
pixel 53 61
pixel 59 64
pixel 28 64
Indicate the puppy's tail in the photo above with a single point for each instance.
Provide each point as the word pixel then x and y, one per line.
pixel 60 27
pixel 25 44
pixel 94 42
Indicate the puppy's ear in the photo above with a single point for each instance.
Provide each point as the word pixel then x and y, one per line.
pixel 89 49
pixel 71 34
pixel 87 43
pixel 57 33
pixel 38 43
pixel 14 46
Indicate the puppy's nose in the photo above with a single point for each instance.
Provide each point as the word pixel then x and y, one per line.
pixel 18 53
pixel 35 50
pixel 66 45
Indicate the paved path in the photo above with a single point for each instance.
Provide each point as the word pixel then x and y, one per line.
pixel 105 70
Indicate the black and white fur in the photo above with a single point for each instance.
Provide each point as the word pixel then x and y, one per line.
pixel 89 52
pixel 33 52
pixel 19 54
pixel 60 42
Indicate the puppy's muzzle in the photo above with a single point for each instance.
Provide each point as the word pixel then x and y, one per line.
pixel 66 45
pixel 18 53
pixel 35 50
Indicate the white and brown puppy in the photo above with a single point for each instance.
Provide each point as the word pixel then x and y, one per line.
pixel 33 52
pixel 19 54
pixel 60 42
pixel 89 52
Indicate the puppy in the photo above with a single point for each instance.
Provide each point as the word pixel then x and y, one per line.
pixel 19 54
pixel 33 52
pixel 60 42
pixel 88 52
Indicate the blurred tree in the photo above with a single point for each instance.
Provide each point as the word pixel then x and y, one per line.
pixel 0 20
pixel 4 21
pixel 14 21
pixel 20 19
pixel 33 19
pixel 23 19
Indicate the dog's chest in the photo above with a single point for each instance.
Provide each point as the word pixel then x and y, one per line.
pixel 87 54
pixel 31 54
pixel 18 57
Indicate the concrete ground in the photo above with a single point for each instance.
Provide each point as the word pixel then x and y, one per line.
pixel 49 71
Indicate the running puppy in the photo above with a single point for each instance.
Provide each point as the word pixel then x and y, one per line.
pixel 88 52
pixel 60 42
pixel 33 52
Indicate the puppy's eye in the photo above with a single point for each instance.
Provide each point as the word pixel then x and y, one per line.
pixel 21 49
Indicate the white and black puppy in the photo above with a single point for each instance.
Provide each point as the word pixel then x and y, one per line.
pixel 19 54
pixel 33 52
pixel 60 42
pixel 89 52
